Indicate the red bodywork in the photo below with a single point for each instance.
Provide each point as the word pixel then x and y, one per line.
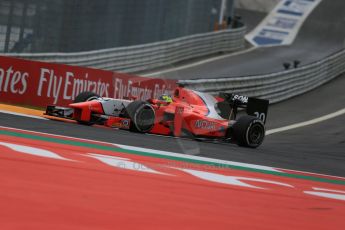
pixel 192 112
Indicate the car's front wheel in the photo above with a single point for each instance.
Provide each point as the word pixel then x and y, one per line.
pixel 142 116
pixel 85 96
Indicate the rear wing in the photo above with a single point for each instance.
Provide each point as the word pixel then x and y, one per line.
pixel 253 106
pixel 258 108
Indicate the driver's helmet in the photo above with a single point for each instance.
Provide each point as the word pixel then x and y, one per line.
pixel 166 98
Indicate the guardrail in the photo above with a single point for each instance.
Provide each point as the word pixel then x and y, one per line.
pixel 276 86
pixel 148 56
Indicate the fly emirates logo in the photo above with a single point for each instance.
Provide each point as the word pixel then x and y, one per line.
pixel 49 84
pixel 68 86
pixel 13 81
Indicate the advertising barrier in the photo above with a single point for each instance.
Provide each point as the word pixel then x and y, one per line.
pixel 39 83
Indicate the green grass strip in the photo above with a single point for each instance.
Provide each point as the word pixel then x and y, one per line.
pixel 175 158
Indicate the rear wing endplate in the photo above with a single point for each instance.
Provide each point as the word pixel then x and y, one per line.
pixel 258 108
pixel 253 106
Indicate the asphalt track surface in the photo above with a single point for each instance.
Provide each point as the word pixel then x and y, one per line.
pixel 321 35
pixel 318 148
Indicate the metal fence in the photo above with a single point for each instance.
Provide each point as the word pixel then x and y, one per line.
pixel 44 26
pixel 148 56
pixel 276 86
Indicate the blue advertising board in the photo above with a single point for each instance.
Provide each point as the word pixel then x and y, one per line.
pixel 282 24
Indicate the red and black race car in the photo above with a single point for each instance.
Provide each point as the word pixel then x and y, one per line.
pixel 187 113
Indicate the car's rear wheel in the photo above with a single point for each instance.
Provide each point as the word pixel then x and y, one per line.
pixel 86 96
pixel 142 116
pixel 249 131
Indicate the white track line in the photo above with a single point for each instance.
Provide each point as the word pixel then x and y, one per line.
pixel 311 173
pixel 306 123
pixel 199 158
pixel 23 115
pixel 198 63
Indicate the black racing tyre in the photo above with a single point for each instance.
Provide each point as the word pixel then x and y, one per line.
pixel 249 131
pixel 142 116
pixel 85 96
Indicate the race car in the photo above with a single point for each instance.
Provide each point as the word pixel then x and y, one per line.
pixel 187 113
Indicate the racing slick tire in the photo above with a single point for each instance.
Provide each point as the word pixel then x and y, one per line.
pixel 142 116
pixel 86 96
pixel 249 131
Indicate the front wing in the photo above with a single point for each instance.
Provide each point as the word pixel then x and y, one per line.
pixel 106 120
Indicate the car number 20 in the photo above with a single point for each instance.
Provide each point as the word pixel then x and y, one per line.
pixel 261 116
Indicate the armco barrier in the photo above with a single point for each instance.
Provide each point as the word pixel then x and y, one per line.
pixel 148 56
pixel 40 83
pixel 276 86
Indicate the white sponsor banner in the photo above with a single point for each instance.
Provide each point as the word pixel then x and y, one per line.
pixel 281 26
